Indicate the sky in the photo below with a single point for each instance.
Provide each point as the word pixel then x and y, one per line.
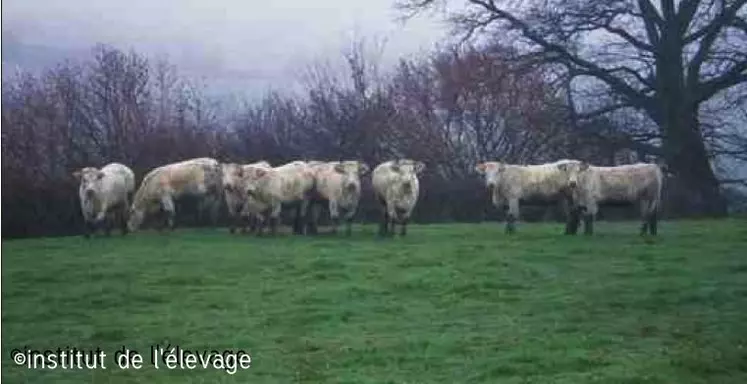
pixel 239 45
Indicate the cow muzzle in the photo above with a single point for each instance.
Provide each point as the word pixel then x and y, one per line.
pixel 407 187
pixel 401 213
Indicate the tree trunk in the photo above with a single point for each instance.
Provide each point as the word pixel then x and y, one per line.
pixel 695 190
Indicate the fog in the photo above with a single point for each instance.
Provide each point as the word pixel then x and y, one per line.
pixel 233 45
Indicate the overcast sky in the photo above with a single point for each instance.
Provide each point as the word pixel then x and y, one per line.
pixel 234 43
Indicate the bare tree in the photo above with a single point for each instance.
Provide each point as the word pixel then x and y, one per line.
pixel 347 111
pixel 467 105
pixel 665 58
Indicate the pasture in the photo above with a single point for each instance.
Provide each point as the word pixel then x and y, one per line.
pixel 457 303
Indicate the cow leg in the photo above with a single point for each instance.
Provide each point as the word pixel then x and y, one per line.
pixel 88 229
pixel 101 220
pixel 243 222
pixel 232 223
pixel 275 218
pixel 349 226
pixel 274 225
pixel 123 214
pixel 215 210
pixel 384 218
pixel 573 222
pixel 298 220
pixel 123 219
pixel 167 204
pixel 512 215
pixel 590 212
pixel 644 226
pixel 392 225
pixel 403 227
pixel 334 215
pixel 164 219
pixel 392 215
pixel 108 224
pixel 644 217
pixel 261 224
pixel 238 222
pixel 652 223
pixel 92 227
pixel 313 218
pixel 303 216
pixel 253 223
pixel 296 217
pixel 573 216
pixel 349 215
pixel 649 215
pixel 383 223
pixel 161 220
pixel 588 224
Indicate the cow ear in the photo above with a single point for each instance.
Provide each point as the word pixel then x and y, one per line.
pixel 363 168
pixel 584 166
pixel 99 175
pixel 77 174
pixel 481 168
pixel 339 168
pixel 419 167
pixel 240 172
pixel 395 167
pixel 563 167
pixel 259 172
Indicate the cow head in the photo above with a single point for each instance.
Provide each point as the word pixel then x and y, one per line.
pixel 573 170
pixel 404 184
pixel 253 177
pixel 232 175
pixel 350 171
pixel 90 181
pixel 408 166
pixel 136 215
pixel 491 171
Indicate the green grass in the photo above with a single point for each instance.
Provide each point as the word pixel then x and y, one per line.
pixel 447 304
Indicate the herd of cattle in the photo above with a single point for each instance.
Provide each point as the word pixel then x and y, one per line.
pixel 256 193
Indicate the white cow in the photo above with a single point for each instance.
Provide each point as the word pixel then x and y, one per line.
pixel 235 194
pixel 199 177
pixel 510 184
pixel 633 183
pixel 397 188
pixel 270 188
pixel 339 184
pixel 104 193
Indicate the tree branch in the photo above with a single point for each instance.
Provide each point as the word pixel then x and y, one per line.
pixel 685 13
pixel 737 74
pixel 637 98
pixel 635 74
pixel 651 20
pixel 721 20
pixel 629 38
pixel 601 111
pixel 714 28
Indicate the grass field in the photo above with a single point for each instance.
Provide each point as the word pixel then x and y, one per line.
pixel 447 304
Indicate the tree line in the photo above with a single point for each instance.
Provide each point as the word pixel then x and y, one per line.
pixel 453 108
